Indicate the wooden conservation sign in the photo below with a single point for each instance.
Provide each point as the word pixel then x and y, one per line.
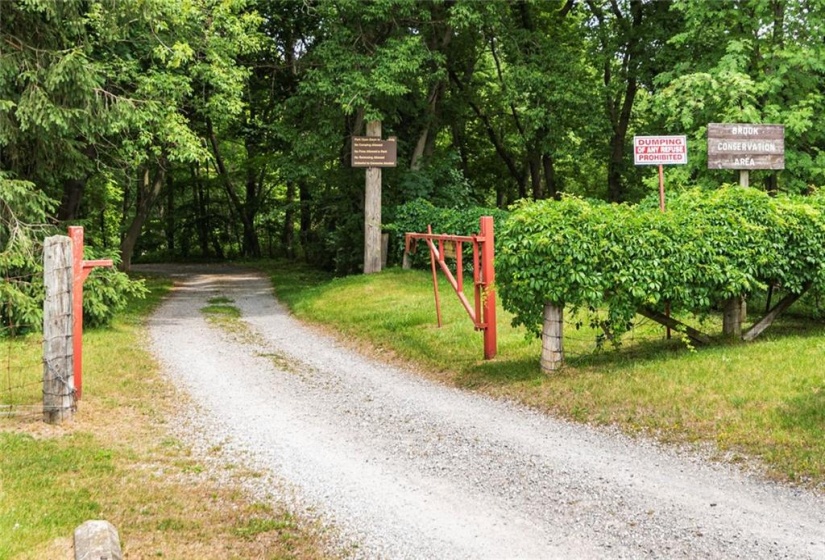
pixel 746 146
pixel 371 151
pixel 659 150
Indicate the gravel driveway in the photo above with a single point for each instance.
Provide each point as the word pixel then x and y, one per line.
pixel 405 468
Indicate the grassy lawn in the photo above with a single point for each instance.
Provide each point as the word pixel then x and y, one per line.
pixel 118 461
pixel 763 400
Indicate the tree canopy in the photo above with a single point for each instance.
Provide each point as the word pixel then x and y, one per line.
pixel 216 128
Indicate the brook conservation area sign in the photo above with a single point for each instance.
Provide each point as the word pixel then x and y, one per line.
pixel 746 146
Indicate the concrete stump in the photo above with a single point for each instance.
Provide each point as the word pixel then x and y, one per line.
pixel 97 540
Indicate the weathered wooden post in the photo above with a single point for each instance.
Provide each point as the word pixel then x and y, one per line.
pixel 58 355
pixel 732 316
pixel 372 210
pixel 552 338
pixel 373 153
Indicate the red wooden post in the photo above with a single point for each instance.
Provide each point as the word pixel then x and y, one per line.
pixel 661 189
pixel 488 277
pixel 80 271
pixel 435 281
pixel 662 208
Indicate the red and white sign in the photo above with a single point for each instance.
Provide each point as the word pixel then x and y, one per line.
pixel 659 150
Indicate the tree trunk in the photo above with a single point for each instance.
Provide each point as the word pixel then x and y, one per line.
pixel 306 218
pixel 254 190
pixel 251 244
pixel 615 188
pixel 551 188
pixel 69 208
pixel 201 218
pixel 619 108
pixel 460 145
pixel 288 233
pixel 150 188
pixel 535 176
pixel 169 212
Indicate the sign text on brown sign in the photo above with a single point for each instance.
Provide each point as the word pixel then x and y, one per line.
pixel 746 146
pixel 370 151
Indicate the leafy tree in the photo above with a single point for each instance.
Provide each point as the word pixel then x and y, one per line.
pixel 23 212
pixel 751 61
pixel 528 87
pixel 629 42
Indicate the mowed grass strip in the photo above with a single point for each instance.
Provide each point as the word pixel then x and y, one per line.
pixel 118 461
pixel 763 400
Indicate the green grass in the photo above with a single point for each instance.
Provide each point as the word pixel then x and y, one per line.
pixel 64 468
pixel 117 461
pixel 221 311
pixel 763 400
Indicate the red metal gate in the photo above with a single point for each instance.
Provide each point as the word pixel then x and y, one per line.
pixel 483 310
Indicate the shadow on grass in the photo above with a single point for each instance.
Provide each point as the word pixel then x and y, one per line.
pixel 793 326
pixel 505 370
pixel 804 417
pixel 501 372
pixel 806 412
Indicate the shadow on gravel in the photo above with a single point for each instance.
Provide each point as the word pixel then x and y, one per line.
pixel 205 281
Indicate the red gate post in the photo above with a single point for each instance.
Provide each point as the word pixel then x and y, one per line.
pixel 488 277
pixel 80 271
pixel 435 282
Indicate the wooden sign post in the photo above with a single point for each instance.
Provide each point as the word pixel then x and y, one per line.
pixel 744 147
pixel 660 151
pixel 373 153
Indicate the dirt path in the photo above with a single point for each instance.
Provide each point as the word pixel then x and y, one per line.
pixel 409 469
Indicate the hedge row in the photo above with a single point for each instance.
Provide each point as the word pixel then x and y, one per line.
pixel 709 246
pixel 415 216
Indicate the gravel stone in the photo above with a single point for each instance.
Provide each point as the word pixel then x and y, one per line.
pixel 405 468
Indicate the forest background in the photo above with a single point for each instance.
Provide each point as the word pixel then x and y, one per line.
pixel 212 129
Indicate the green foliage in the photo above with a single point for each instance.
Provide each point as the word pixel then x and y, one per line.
pixel 708 247
pixel 23 211
pixel 752 62
pixel 415 216
pixel 23 216
pixel 440 181
pixel 491 102
pixel 106 292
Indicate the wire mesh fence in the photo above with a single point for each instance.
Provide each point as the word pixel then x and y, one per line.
pixel 21 360
pixel 586 343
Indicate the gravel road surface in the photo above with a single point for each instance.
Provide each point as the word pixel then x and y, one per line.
pixel 405 468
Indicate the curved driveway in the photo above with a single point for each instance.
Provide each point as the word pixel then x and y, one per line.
pixel 406 468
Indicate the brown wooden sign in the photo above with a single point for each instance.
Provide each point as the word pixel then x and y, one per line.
pixel 371 151
pixel 746 146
